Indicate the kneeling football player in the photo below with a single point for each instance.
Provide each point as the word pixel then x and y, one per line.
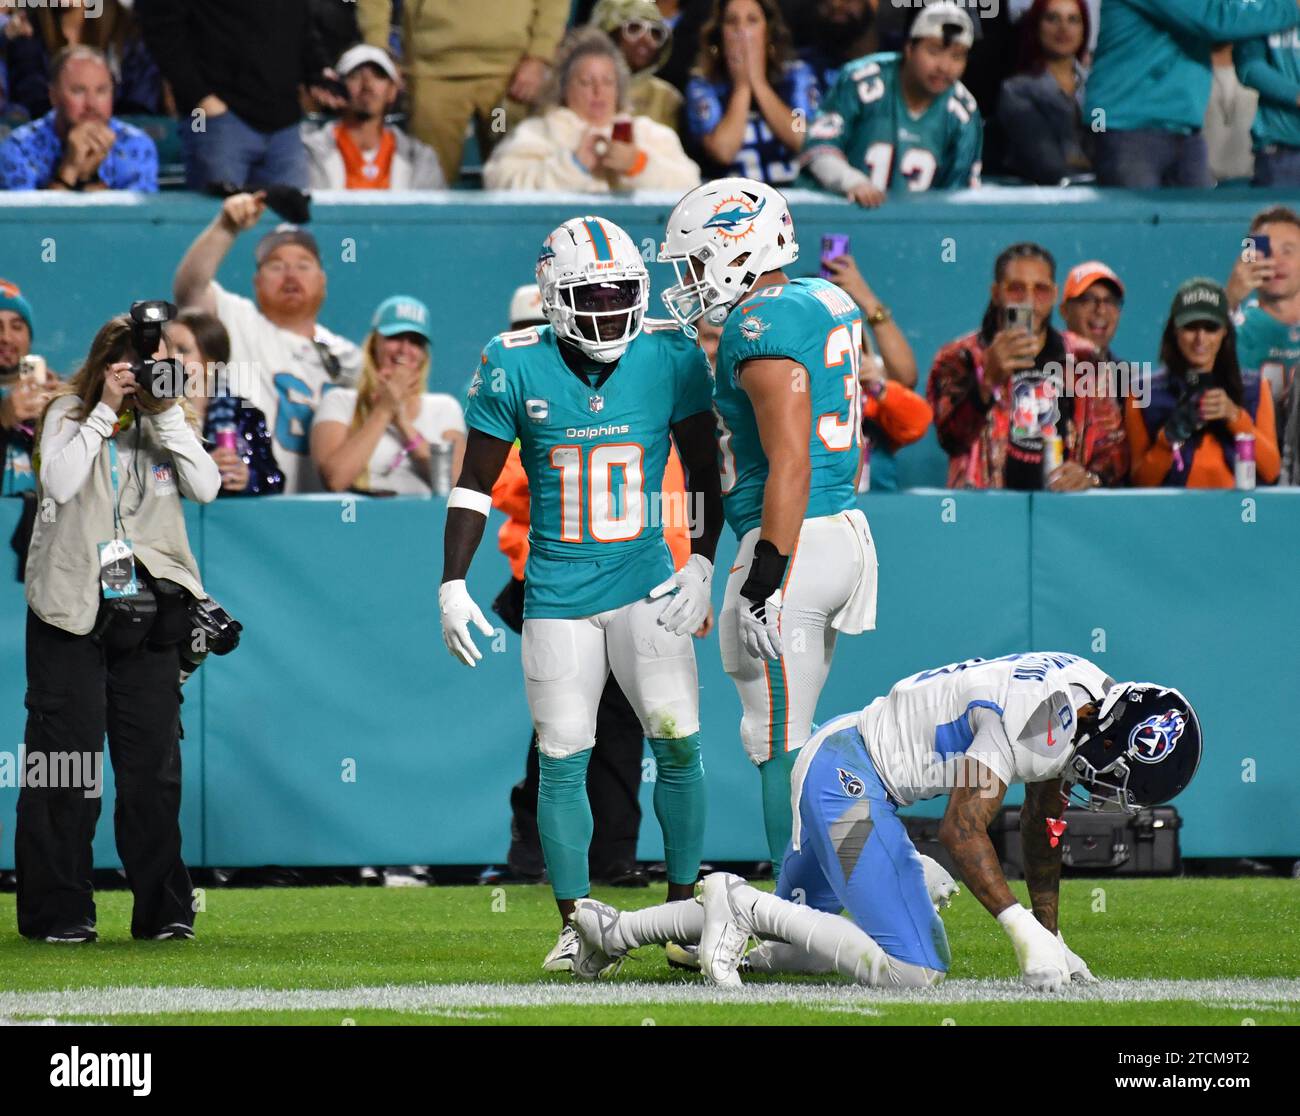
pixel 1052 721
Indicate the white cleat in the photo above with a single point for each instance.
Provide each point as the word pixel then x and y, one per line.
pixel 938 882
pixel 561 957
pixel 597 957
pixel 724 938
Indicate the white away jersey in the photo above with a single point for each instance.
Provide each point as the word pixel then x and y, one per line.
pixel 285 374
pixel 1016 715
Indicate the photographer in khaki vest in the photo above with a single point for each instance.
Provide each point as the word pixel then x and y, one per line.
pixel 111 589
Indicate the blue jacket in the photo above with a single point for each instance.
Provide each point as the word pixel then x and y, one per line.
pixel 1152 68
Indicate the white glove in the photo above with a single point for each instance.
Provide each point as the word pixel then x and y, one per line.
pixel 938 882
pixel 1079 971
pixel 458 609
pixel 760 632
pixel 689 607
pixel 1043 966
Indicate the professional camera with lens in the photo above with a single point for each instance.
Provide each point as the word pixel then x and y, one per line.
pixel 160 380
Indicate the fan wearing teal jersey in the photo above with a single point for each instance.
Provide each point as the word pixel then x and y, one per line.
pixel 593 399
pixel 899 122
pixel 788 406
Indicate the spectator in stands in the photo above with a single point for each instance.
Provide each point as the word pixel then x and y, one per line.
pixel 829 34
pixel 1272 66
pixel 106 25
pixel 1200 400
pixel 686 19
pixel 381 435
pixel 79 145
pixel 1091 305
pixel 360 151
pixel 1150 83
pixel 893 415
pixel 570 146
pixel 750 98
pixel 95 667
pixel 1264 295
pixel 645 40
pixel 901 122
pixel 997 395
pixel 336 25
pixel 469 62
pixel 1228 117
pixel 237 69
pixel 23 393
pixel 233 429
pixel 1041 108
pixel 283 357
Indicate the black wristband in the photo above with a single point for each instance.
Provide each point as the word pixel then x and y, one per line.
pixel 766 572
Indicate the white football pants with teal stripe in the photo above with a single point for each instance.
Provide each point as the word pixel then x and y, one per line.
pixel 566 664
pixel 830 586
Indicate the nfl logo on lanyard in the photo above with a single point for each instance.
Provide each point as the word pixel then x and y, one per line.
pixel 596 403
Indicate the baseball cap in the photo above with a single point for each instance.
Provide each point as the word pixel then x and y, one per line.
pixel 1200 300
pixel 526 306
pixel 402 314
pixel 361 54
pixel 944 20
pixel 11 298
pixel 285 234
pixel 1084 275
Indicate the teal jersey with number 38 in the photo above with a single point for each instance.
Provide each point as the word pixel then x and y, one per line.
pixel 816 325
pixel 594 457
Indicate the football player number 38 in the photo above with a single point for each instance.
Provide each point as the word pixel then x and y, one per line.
pixel 844 342
pixel 615 509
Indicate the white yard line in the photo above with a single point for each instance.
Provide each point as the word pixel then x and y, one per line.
pixel 442 998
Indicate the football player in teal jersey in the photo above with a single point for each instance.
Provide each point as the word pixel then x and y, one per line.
pixel 788 406
pixel 593 398
pixel 896 122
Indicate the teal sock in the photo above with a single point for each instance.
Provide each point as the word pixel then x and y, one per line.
pixel 777 816
pixel 680 804
pixel 564 822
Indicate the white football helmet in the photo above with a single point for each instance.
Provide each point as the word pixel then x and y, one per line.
pixel 734 230
pixel 595 286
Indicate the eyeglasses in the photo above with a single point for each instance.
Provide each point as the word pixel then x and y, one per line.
pixel 1098 302
pixel 328 360
pixel 1202 327
pixel 1016 289
pixel 637 28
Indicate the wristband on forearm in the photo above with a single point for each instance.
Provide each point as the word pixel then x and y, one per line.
pixel 766 572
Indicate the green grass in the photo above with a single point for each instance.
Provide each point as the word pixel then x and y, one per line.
pixel 339 939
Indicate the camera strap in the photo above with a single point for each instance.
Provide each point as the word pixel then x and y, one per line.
pixel 117 573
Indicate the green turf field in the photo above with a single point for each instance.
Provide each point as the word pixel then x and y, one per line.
pixel 1168 951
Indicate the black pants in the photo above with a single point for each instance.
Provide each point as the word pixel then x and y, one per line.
pixel 613 781
pixel 77 690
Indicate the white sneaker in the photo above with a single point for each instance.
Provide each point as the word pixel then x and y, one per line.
pixel 561 957
pixel 597 957
pixel 723 941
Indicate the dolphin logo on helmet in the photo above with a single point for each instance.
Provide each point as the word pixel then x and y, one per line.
pixel 720 238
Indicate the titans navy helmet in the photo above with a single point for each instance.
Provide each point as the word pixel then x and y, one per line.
pixel 1144 749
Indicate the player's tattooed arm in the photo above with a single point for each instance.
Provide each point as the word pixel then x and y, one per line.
pixel 778 390
pixel 485 457
pixel 964 832
pixel 697 446
pixel 1042 861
